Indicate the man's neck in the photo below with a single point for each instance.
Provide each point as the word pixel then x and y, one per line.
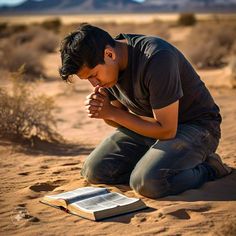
pixel 122 53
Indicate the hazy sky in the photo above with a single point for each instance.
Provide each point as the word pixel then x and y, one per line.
pixel 14 2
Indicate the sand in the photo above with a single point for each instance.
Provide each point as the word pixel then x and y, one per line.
pixel 27 175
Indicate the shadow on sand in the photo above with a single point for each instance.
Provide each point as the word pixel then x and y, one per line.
pixel 42 147
pixel 219 190
pixel 223 189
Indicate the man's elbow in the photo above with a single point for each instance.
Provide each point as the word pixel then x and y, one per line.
pixel 172 134
pixel 169 134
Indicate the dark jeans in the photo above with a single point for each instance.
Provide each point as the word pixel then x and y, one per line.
pixel 153 168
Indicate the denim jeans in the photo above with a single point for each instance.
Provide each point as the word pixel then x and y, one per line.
pixel 153 168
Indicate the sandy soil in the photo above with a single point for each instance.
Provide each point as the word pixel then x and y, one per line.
pixel 28 175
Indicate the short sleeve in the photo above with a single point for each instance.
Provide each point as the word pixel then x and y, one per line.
pixel 163 79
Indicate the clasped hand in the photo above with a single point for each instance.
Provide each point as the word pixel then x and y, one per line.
pixel 98 104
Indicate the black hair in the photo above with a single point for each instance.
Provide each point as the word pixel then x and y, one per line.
pixel 83 47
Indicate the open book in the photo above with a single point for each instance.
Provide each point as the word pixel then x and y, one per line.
pixel 94 203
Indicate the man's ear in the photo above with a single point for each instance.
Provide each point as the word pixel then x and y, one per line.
pixel 109 52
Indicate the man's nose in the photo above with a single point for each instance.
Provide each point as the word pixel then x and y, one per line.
pixel 94 82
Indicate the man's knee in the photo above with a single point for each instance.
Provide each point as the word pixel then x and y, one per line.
pixel 92 172
pixel 104 171
pixel 150 185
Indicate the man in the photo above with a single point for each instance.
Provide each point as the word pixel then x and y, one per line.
pixel 168 124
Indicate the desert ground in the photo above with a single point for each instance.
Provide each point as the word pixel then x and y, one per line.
pixel 28 174
pixel 117 18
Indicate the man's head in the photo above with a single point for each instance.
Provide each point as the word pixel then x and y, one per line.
pixel 89 52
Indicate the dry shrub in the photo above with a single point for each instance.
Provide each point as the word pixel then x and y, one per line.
pixel 27 48
pixel 3 26
pixel 187 19
pixel 156 27
pixel 24 116
pixel 13 58
pixel 37 38
pixel 210 45
pixel 7 30
pixel 52 24
pixel 26 36
pixel 47 42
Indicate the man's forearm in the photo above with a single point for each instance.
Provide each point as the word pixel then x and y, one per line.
pixel 112 123
pixel 116 125
pixel 141 126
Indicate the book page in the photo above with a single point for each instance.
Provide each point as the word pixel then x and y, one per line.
pixel 80 194
pixel 105 201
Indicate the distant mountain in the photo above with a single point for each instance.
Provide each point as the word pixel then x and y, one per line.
pixel 71 6
pixel 192 5
pixel 96 6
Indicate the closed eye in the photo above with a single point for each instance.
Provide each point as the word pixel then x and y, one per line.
pixel 92 76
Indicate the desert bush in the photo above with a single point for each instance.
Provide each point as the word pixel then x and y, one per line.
pixel 36 38
pixel 210 45
pixel 47 42
pixel 3 26
pixel 187 19
pixel 14 57
pixel 23 37
pixel 7 30
pixel 52 24
pixel 156 27
pixel 19 28
pixel 24 116
pixel 27 48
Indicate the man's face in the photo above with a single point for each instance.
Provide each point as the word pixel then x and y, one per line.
pixel 104 75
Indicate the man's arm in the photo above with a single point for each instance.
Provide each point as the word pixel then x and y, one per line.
pixel 119 105
pixel 163 126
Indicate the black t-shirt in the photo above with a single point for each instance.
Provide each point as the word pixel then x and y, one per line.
pixel 157 75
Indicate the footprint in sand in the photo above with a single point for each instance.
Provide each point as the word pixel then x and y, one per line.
pixel 139 218
pixel 71 163
pixel 39 187
pixel 56 172
pixel 75 168
pixel 47 186
pixel 27 165
pixel 44 167
pixel 24 173
pixel 20 215
pixel 180 214
pixel 183 211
